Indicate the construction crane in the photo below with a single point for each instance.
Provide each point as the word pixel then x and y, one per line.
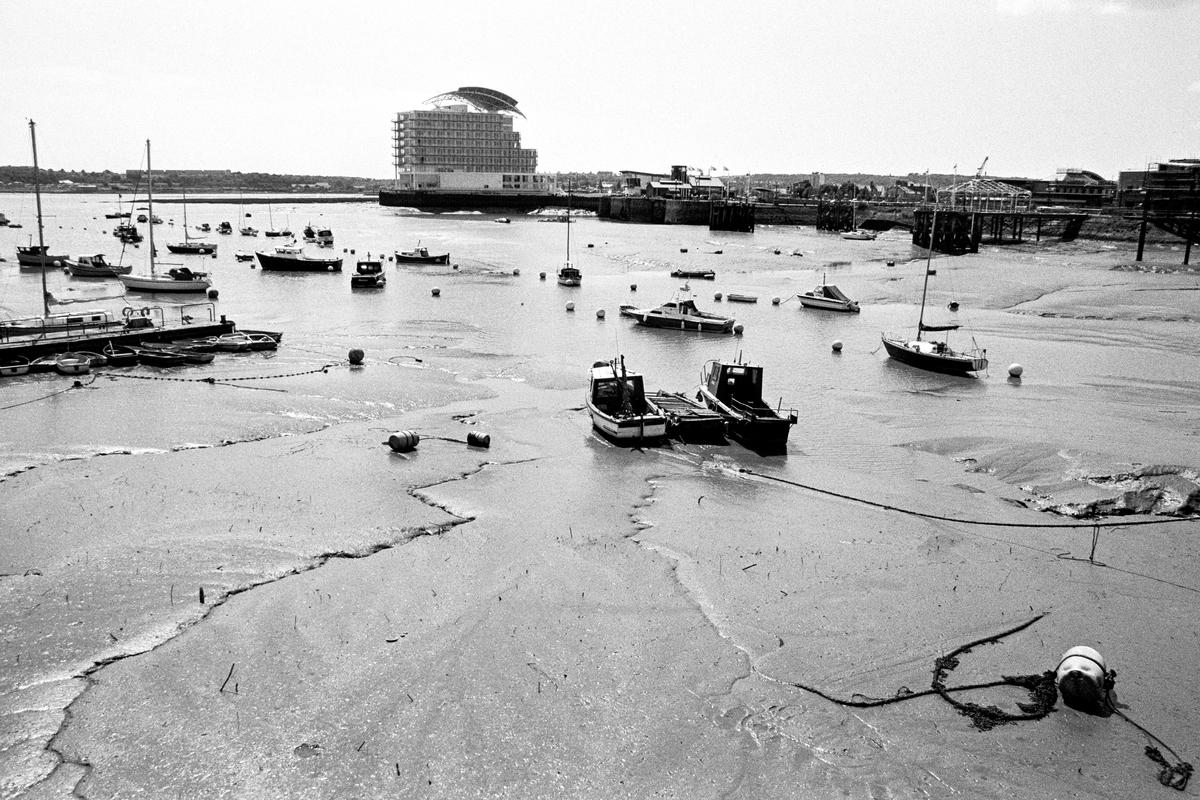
pixel 979 172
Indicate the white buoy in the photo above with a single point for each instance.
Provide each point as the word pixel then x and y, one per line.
pixel 570 306
pixel 1082 679
pixel 1015 370
pixel 738 329
pixel 599 313
pixel 436 292
pixel 837 345
pixel 775 300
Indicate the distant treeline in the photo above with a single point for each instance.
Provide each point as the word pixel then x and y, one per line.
pixel 17 178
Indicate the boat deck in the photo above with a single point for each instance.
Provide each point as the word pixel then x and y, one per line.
pixel 688 419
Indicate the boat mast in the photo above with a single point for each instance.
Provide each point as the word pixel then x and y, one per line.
pixel 928 262
pixel 150 203
pixel 568 221
pixel 37 191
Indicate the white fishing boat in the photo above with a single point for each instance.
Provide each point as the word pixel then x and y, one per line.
pixel 617 402
pixel 680 313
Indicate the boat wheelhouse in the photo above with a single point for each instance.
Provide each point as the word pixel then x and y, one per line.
pixel 734 390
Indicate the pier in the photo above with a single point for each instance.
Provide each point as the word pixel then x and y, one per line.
pixel 961 232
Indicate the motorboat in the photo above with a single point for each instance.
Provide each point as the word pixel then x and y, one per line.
pixel 95 267
pixel 248 231
pixel 368 274
pixel 225 229
pixel 503 220
pixel 243 255
pixel 703 274
pixel 933 355
pixel 828 297
pixel 35 256
pixel 421 255
pixel 859 235
pixel 617 402
pixel 308 233
pixel 177 279
pixel 734 389
pixel 291 258
pixel 680 313
pixel 324 237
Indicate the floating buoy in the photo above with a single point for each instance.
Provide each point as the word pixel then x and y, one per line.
pixel 436 292
pixel 213 294
pixel 683 249
pixel 932 272
pixel 479 440
pixel 355 356
pixel 775 300
pixel 891 263
pixel 404 441
pixel 717 297
pixel 570 306
pixel 214 255
pixel 599 313
pixel 516 272
pixel 454 267
pixel 541 276
pixel 1083 679
pixel 952 305
pixel 344 250
pixel 1015 370
pixel 633 287
pixel 777 252
pixel 837 345
pixel 351 251
pixel 738 329
pixel 591 245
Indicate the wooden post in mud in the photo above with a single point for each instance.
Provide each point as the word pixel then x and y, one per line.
pixel 1142 232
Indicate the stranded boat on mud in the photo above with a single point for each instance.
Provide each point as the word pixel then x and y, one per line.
pixel 619 407
pixel 734 390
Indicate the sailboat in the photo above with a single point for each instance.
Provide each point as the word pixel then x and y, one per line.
pixel 247 230
pixel 933 355
pixel 177 279
pixel 34 256
pixel 188 246
pixel 568 273
pixel 118 214
pixel 271 231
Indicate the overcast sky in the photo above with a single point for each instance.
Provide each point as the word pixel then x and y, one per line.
pixel 881 86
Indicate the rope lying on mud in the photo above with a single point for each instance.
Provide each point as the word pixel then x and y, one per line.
pixel 75 385
pixel 980 522
pixel 324 368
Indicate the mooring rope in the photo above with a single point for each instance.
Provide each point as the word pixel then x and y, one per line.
pixel 76 385
pixel 213 380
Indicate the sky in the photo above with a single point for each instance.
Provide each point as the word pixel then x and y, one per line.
pixel 762 86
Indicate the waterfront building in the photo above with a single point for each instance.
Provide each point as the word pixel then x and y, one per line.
pixel 466 142
pixel 1170 185
pixel 1071 187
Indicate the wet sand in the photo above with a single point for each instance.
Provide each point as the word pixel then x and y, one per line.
pixel 557 617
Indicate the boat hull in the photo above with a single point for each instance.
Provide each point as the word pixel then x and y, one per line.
pixel 275 263
pixel 682 323
pixel 827 304
pixel 765 432
pixel 946 363
pixel 632 429
pixel 148 283
pixel 192 249
pixel 401 258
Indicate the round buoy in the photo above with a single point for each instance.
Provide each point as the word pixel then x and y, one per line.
pixel 436 292
pixel 57 263
pixel 775 300
pixel 351 251
pixel 516 272
pixel 479 440
pixel 213 294
pixel 633 287
pixel 776 252
pixel 454 267
pixel 345 250
pixel 214 255
pixel 599 313
pixel 738 329
pixel 570 306
pixel 1083 679
pixel 952 305
pixel 837 345
pixel 1015 370
pixel 541 276
pixel 717 297
pixel 355 356
pixel 404 441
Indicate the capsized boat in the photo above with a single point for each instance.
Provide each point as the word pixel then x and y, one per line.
pixel 734 390
pixel 620 410
pixel 680 313
pixel 290 258
pixel 421 255
pixel 828 297
pixel 933 355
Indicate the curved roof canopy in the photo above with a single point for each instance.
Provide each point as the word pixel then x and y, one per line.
pixel 481 98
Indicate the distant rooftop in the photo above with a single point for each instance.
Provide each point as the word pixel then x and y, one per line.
pixel 481 99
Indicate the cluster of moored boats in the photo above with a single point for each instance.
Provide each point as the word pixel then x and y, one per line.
pixel 177 353
pixel 729 402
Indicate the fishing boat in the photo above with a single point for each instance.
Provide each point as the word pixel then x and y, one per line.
pixel 617 402
pixel 688 419
pixel 324 237
pixel 224 228
pixel 189 246
pixel 308 233
pixel 929 354
pixel 859 235
pixel 177 279
pixel 828 297
pixel 95 267
pixel 703 274
pixel 128 233
pixel 368 274
pixel 35 256
pixel 734 390
pixel 569 274
pixel 291 258
pixel 680 313
pixel 421 255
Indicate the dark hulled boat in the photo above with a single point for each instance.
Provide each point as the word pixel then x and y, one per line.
pixel 421 255
pixel 289 258
pixel 734 390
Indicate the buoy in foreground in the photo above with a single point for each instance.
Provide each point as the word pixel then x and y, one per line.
pixel 355 356
pixel 404 441
pixel 837 345
pixel 633 287
pixel 213 294
pixel 570 306
pixel 541 276
pixel 1015 370
pixel 516 272
pixel 436 292
pixel 738 329
pixel 1083 679
pixel 479 440
pixel 775 300
pixel 717 297
pixel 599 313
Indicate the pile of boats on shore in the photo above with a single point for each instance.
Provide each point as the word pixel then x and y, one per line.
pixel 181 352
